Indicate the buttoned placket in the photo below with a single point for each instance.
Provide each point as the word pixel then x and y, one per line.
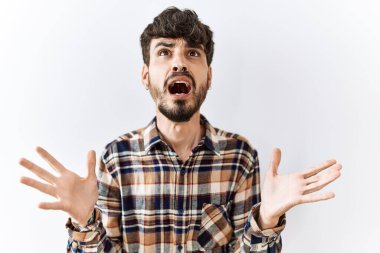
pixel 180 191
pixel 182 202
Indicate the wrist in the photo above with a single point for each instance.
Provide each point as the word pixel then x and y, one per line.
pixel 266 220
pixel 87 221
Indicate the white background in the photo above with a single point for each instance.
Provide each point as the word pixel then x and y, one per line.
pixel 300 75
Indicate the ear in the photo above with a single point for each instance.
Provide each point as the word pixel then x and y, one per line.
pixel 209 77
pixel 145 76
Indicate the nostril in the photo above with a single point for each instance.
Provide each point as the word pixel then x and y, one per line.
pixel 184 69
pixel 175 69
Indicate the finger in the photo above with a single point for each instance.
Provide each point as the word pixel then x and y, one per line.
pixel 275 162
pixel 325 180
pixel 335 168
pixel 312 179
pixel 315 170
pixel 45 175
pixel 50 205
pixel 91 164
pixel 309 198
pixel 50 160
pixel 45 188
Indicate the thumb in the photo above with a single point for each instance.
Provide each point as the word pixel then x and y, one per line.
pixel 91 164
pixel 275 162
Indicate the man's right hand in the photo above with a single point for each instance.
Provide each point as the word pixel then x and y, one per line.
pixel 76 195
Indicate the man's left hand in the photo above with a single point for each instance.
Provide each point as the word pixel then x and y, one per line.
pixel 282 192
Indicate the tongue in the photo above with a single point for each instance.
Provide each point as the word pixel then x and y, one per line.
pixel 179 88
pixel 182 88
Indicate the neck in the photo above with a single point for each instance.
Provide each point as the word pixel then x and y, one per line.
pixel 182 136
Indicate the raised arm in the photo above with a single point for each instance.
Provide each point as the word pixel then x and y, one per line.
pixel 264 211
pixel 282 192
pixel 77 197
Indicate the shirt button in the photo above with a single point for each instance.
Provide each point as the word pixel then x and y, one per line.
pixel 180 211
pixel 183 171
pixel 179 247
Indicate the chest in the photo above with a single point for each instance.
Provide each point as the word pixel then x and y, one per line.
pixel 164 182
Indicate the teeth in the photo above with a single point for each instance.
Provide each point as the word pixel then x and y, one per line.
pixel 187 84
pixel 179 90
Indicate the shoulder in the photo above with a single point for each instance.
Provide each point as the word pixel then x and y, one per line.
pixel 229 141
pixel 130 143
pixel 238 151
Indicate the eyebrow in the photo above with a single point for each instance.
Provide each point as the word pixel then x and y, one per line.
pixel 172 44
pixel 165 44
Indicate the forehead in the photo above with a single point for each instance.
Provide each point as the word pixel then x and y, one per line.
pixel 172 43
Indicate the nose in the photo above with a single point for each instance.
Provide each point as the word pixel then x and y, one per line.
pixel 179 68
pixel 179 62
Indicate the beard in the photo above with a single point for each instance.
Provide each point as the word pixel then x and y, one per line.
pixel 182 110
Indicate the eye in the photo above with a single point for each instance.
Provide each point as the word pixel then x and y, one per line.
pixel 163 52
pixel 193 53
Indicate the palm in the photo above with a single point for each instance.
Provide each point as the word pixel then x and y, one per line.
pixel 282 192
pixel 75 195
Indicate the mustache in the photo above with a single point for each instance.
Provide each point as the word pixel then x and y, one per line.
pixel 176 74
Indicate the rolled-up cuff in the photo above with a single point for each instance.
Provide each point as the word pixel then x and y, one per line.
pixel 258 239
pixel 87 233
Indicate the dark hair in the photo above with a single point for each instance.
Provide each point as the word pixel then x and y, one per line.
pixel 176 23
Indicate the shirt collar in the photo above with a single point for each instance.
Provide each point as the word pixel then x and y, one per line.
pixel 151 136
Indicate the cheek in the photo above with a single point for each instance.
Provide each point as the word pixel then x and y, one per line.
pixel 157 75
pixel 202 78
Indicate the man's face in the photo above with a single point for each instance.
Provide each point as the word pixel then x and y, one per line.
pixel 178 77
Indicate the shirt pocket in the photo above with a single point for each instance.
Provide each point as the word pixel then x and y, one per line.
pixel 215 229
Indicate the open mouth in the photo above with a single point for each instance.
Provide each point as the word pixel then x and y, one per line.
pixel 179 88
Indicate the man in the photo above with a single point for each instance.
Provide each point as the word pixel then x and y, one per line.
pixel 179 184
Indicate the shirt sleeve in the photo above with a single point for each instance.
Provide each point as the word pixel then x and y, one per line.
pixel 247 236
pixel 103 231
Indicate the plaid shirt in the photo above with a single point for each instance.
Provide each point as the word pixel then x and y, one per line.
pixel 151 201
